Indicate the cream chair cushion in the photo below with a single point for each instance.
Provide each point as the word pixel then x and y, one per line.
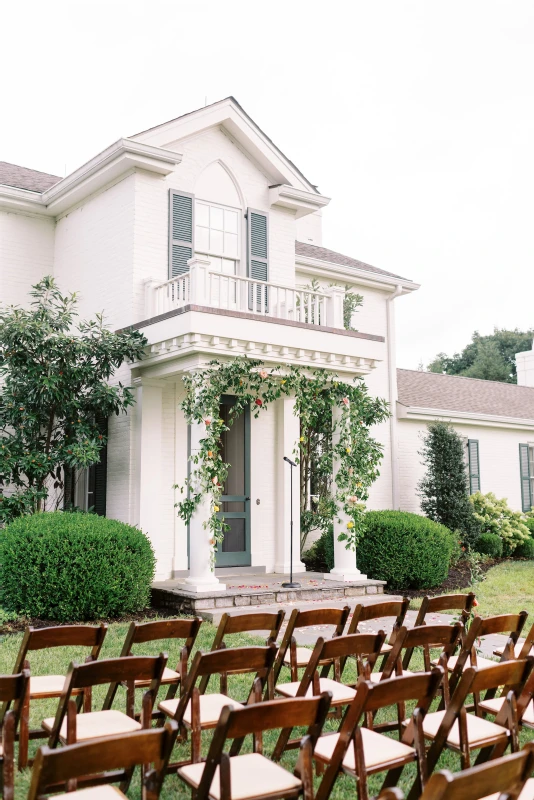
pixel 251 776
pixel 377 749
pixel 517 649
pixel 303 656
pixel 169 676
pixel 48 686
pixel 481 662
pixel 478 730
pixel 94 793
pixel 340 692
pixel 211 706
pixel 526 794
pixel 95 725
pixel 494 706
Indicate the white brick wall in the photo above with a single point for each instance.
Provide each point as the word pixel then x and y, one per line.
pixel 26 255
pixel 499 460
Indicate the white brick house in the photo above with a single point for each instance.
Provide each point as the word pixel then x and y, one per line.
pixel 201 233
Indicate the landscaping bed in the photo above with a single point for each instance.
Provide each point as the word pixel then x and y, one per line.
pixel 459 578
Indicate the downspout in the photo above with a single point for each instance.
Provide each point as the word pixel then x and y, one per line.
pixel 392 385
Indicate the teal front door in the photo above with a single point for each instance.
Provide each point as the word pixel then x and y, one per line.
pixel 234 551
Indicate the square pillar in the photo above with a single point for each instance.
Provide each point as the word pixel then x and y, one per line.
pixel 345 568
pixel 287 435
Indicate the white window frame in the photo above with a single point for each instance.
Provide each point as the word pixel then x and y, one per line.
pixel 212 253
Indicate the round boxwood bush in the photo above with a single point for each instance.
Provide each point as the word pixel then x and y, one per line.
pixel 406 550
pixel 489 544
pixel 525 549
pixel 74 567
pixel 529 522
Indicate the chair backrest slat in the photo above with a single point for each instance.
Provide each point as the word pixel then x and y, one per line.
pixel 165 629
pixel 127 668
pixel 235 659
pixel 299 712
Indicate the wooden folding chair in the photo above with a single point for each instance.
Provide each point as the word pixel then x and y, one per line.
pixel 376 611
pixel 195 711
pixel 364 647
pixel 50 686
pixel 522 649
pixel 69 726
pixel 101 763
pixel 227 775
pixel 456 730
pixel 270 622
pixel 289 655
pixel 503 778
pixel 141 633
pixel 523 706
pixel 360 751
pixel 462 604
pixel 13 690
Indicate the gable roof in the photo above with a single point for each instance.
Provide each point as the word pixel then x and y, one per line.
pixel 24 178
pixel 431 390
pixel 322 254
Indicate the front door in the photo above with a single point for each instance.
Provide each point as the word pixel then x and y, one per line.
pixel 234 551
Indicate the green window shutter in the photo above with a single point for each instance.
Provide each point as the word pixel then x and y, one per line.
pixel 101 472
pixel 474 466
pixel 68 487
pixel 524 467
pixel 257 253
pixel 181 231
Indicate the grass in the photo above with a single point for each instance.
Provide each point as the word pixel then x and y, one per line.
pixel 507 589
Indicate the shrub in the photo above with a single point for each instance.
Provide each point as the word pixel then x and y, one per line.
pixel 406 550
pixel 495 516
pixel 525 549
pixel 529 522
pixel 489 544
pixel 320 556
pixel 444 488
pixel 74 567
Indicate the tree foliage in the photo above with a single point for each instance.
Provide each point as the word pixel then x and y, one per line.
pixel 54 384
pixel 495 516
pixel 489 357
pixel 444 488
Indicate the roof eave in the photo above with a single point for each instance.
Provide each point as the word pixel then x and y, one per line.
pixel 319 267
pixel 425 413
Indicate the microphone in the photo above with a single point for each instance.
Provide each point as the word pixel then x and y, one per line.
pixel 289 461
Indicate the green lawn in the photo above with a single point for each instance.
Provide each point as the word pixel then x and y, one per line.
pixel 507 589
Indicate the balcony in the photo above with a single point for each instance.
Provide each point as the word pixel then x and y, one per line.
pixel 205 287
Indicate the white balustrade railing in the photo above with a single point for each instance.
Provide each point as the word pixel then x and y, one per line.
pixel 205 287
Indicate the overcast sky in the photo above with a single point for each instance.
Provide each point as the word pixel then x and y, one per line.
pixel 415 116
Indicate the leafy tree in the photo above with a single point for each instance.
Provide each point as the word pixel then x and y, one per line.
pixel 444 488
pixel 489 357
pixel 53 386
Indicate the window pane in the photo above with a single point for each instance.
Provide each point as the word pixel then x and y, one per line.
pixel 202 238
pixel 216 241
pixel 228 266
pixel 215 263
pixel 202 214
pixel 234 539
pixel 230 221
pixel 216 218
pixel 230 244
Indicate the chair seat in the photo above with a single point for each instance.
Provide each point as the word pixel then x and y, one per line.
pixel 376 677
pixel 340 693
pixel 481 662
pixel 42 686
pixel 526 794
pixel 479 730
pixel 303 656
pixel 96 725
pixel 377 749
pixel 94 793
pixel 517 649
pixel 169 676
pixel 211 706
pixel 494 705
pixel 251 775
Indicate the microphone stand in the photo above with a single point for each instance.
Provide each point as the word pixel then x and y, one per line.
pixel 291 584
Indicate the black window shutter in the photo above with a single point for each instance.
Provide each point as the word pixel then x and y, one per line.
pixel 474 466
pixel 101 472
pixel 68 487
pixel 257 252
pixel 181 231
pixel 524 467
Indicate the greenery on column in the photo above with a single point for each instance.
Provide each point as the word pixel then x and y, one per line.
pixel 444 489
pixel 54 374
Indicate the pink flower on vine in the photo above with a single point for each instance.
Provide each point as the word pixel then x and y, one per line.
pixel 263 374
pixel 215 481
pixel 353 499
pixel 346 401
pixel 207 421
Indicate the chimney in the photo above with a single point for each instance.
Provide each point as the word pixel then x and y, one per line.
pixel 525 367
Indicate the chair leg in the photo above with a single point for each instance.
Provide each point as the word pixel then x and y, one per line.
pixel 24 732
pixel 196 730
pixel 7 766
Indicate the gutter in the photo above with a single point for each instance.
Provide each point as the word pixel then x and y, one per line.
pixel 392 386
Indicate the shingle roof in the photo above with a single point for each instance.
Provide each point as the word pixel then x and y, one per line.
pixel 312 251
pixel 24 178
pixel 455 393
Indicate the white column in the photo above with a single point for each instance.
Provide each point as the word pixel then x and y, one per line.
pixel 198 281
pixel 334 314
pixel 150 420
pixel 345 568
pixel 287 435
pixel 201 576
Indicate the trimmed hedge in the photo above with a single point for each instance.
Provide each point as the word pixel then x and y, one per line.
pixel 529 522
pixel 489 544
pixel 406 550
pixel 525 550
pixel 74 567
pixel 320 556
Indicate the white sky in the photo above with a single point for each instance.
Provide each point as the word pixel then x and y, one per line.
pixel 415 116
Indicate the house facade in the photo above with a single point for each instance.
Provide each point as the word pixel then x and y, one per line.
pixel 201 233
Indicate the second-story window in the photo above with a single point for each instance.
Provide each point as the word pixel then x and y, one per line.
pixel 217 236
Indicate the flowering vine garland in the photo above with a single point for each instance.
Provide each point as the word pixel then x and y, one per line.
pixel 357 454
